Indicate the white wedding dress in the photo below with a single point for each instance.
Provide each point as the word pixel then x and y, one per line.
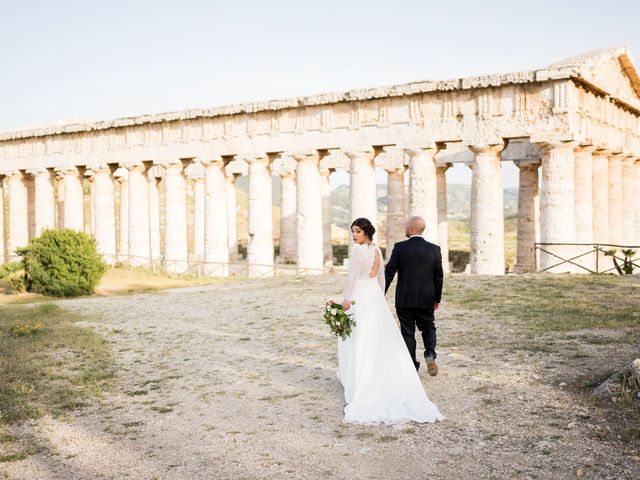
pixel 379 379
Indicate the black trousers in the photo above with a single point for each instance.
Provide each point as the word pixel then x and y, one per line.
pixel 422 318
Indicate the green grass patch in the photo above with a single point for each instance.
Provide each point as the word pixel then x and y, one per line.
pixel 550 303
pixel 54 368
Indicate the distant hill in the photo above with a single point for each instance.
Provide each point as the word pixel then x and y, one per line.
pixel 458 203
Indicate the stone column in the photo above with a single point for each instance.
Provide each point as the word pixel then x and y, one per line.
pixel 443 222
pixel 122 176
pixel 73 217
pixel 309 214
pixel 583 198
pixel 2 229
pixel 176 245
pixel 601 202
pixel 232 216
pixel 288 225
pixel 18 212
pixel 636 174
pixel 104 209
pixel 216 222
pixel 528 217
pixel 557 212
pixel 198 215
pixel 615 199
pixel 362 188
pixel 487 211
pixel 139 241
pixel 44 208
pixel 260 224
pixel 396 217
pixel 155 248
pixel 628 201
pixel 423 189
pixel 325 194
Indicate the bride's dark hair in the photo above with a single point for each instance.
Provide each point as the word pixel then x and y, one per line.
pixel 365 225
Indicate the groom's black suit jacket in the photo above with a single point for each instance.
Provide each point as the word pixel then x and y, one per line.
pixel 419 267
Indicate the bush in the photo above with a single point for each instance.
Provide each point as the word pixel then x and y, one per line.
pixel 62 263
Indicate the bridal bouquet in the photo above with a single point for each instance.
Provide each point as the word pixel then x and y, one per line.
pixel 339 322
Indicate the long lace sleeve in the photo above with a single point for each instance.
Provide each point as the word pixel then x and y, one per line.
pixel 381 277
pixel 357 265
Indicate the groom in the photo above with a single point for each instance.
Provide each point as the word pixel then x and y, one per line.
pixel 419 289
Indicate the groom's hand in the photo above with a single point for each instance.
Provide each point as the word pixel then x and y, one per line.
pixel 436 306
pixel 346 305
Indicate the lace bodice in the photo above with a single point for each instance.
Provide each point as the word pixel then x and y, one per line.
pixel 361 263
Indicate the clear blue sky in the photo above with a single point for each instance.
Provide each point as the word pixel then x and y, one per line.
pixel 74 60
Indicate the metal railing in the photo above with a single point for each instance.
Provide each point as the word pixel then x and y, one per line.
pixel 200 268
pixel 596 249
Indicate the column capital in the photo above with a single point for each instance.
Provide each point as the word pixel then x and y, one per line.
pixel 617 156
pixel 38 172
pixel 444 167
pixel 390 159
pixel 585 149
pixel 417 151
pixel 527 164
pixel 284 165
pixel 256 159
pixel 355 153
pixel 62 171
pixel 305 156
pixel 602 152
pixel 136 165
pixel 211 160
pixel 557 145
pixel 486 148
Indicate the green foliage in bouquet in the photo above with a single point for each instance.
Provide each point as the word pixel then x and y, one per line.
pixel 340 323
pixel 62 263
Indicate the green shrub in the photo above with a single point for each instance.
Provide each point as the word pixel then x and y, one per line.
pixel 62 263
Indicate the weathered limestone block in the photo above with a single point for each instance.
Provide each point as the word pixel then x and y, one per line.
pixel 104 211
pixel 44 200
pixel 625 381
pixel 557 211
pixel 260 247
pixel 73 198
pixel 18 235
pixel 583 195
pixel 487 212
pixel 443 223
pixel 615 199
pixel 285 167
pixel 423 189
pixel 216 222
pixel 528 217
pixel 628 201
pixel 309 213
pixel 176 245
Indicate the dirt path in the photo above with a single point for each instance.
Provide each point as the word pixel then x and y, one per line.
pixel 238 381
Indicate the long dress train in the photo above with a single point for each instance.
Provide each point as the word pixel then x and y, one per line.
pixel 379 379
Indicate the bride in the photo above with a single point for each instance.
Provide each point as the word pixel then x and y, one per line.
pixel 379 379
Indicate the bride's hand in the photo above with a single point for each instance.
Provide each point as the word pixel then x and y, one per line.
pixel 346 305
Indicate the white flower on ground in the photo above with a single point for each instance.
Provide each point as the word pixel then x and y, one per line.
pixel 334 311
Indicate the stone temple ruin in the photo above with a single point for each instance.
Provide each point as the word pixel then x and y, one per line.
pixel 575 123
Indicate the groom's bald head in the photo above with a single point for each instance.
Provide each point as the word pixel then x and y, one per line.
pixel 415 226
